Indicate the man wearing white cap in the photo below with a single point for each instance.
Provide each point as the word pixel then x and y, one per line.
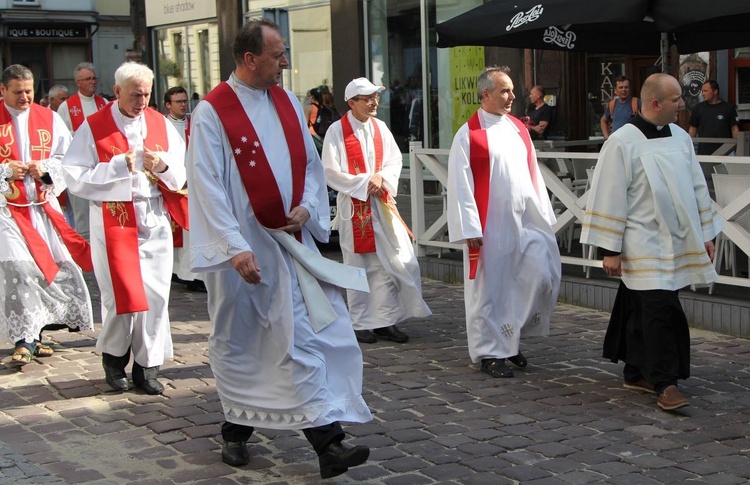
pixel 363 162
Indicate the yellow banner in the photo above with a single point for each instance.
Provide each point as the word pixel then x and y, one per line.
pixel 466 64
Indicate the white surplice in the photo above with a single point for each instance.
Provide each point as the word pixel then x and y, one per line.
pixel 272 370
pixel 181 266
pixel 393 270
pixel 649 201
pixel 148 332
pixel 518 276
pixel 29 303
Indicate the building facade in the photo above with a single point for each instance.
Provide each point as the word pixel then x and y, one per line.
pixel 52 37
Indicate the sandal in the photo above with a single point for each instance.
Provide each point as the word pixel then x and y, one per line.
pixel 519 360
pixel 21 357
pixel 496 368
pixel 43 350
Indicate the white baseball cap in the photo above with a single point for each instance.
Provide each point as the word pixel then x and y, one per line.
pixel 360 86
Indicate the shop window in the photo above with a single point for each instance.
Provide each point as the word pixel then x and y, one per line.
pixel 178 53
pixel 204 57
pixel 26 3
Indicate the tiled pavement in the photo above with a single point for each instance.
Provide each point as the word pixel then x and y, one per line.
pixel 437 419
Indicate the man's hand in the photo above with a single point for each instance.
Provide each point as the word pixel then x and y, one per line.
pixel 246 265
pixel 19 170
pixel 152 162
pixel 612 265
pixel 710 250
pixel 295 220
pixel 375 186
pixel 474 243
pixel 35 169
pixel 130 159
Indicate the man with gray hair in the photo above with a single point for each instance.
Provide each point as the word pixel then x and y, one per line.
pixel 74 111
pixel 57 95
pixel 124 174
pixel 499 208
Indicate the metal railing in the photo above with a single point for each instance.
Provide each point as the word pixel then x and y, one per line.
pixel 569 201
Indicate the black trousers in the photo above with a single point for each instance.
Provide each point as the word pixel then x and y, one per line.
pixel 648 330
pixel 319 437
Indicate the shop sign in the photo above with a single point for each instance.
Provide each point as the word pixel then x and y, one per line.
pixel 22 31
pixel 163 12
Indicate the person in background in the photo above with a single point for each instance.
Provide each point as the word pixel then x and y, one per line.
pixel 621 109
pixel 713 118
pixel 57 95
pixel 538 113
pixel 176 103
pixel 74 111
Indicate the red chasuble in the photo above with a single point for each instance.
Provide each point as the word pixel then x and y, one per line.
pixel 251 158
pixel 120 227
pixel 40 147
pixel 479 160
pixel 75 109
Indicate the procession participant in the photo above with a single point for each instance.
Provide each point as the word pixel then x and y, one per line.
pixel 73 112
pixel 40 281
pixel 176 100
pixel 649 212
pixel 499 208
pixel 121 159
pixel 363 163
pixel 277 361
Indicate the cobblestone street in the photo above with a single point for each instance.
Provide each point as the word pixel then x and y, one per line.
pixel 566 419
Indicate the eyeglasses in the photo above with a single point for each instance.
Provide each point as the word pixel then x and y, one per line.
pixel 371 100
pixel 89 79
pixel 179 101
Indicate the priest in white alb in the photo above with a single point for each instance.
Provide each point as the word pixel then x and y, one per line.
pixel 126 159
pixel 282 348
pixel 363 163
pixel 499 208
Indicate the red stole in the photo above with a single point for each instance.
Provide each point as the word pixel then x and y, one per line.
pixel 40 147
pixel 177 236
pixel 252 162
pixel 362 230
pixel 75 109
pixel 120 227
pixel 479 160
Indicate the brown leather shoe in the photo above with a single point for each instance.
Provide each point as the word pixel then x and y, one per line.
pixel 671 398
pixel 639 385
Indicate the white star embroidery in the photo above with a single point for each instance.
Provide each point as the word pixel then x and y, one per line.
pixel 253 152
pixel 256 143
pixel 237 151
pixel 244 139
pixel 252 163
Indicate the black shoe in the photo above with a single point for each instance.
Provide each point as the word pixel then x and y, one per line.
pixel 145 378
pixel 496 368
pixel 519 360
pixel 176 279
pixel 365 336
pixel 391 333
pixel 338 458
pixel 197 286
pixel 235 453
pixel 114 371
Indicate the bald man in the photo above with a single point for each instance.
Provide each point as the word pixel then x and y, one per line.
pixel 650 213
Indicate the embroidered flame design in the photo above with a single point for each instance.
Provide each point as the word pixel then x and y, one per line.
pixel 15 192
pixel 6 135
pixel 362 217
pixel 117 209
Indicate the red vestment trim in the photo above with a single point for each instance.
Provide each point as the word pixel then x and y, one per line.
pixel 40 128
pixel 252 162
pixel 75 109
pixel 120 225
pixel 479 161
